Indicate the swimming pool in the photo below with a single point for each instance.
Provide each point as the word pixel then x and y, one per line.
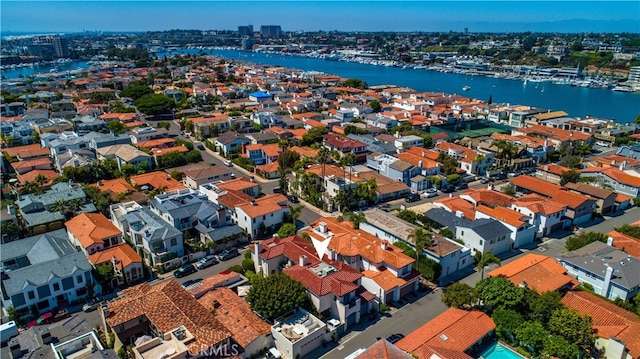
pixel 499 351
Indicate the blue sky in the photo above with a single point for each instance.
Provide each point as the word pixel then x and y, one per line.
pixel 390 15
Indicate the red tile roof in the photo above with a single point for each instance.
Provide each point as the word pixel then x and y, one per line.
pixel 91 228
pixel 616 174
pixel 554 191
pixel 539 272
pixel 115 186
pixel 489 198
pixel 453 330
pixel 609 320
pixel 122 252
pixel 167 306
pixel 236 315
pixel 505 215
pixel 157 179
pixel 455 204
pixel 539 204
pixel 382 349
pixel 30 176
pixel 626 243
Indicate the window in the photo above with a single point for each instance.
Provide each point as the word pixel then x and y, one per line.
pixel 481 242
pixel 174 242
pixel 79 279
pixel 31 294
pixel 56 287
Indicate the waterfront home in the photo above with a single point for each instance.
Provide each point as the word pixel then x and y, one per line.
pixel 44 271
pixel 556 136
pixel 611 272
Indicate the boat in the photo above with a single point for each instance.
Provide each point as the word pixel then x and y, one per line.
pixel 621 89
pixel 524 83
pixel 466 88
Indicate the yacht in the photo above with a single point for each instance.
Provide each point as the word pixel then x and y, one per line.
pixel 466 88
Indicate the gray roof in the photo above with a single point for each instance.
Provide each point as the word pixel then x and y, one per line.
pixel 597 256
pixel 629 151
pixel 401 165
pixel 59 191
pixel 217 234
pixel 484 227
pixel 259 137
pixel 231 136
pixel 374 145
pixel 40 248
pixel 144 221
pixel 184 205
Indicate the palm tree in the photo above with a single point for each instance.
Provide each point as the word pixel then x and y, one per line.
pixel 294 213
pixel 485 259
pixel 41 180
pixel 357 218
pixel 422 239
pixel 323 156
pixel 59 206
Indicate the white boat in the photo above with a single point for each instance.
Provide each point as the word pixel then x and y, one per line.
pixel 525 82
pixel 621 89
pixel 466 88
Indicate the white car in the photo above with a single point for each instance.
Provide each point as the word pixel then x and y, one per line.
pixel 432 192
pixel 228 163
pixel 205 262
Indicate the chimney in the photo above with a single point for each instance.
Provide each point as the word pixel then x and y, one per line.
pixel 221 216
pixel 303 261
pixel 420 163
pixel 257 248
pixel 384 244
pixel 610 241
pixel 322 227
pixel 76 163
pixel 459 214
pixel 607 281
pixel 253 202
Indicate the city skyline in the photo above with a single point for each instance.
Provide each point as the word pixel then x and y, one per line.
pixel 401 16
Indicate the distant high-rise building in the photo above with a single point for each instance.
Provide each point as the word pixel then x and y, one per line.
pixel 466 30
pixel 49 47
pixel 270 31
pixel 245 30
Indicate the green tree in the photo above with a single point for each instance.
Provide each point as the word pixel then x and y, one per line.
pixel 582 239
pixel 509 189
pixel 532 334
pixel 357 83
pixel 542 306
pixel 154 104
pixel 571 176
pixel 286 230
pixel 448 164
pixel 176 175
pixel 136 91
pixel 485 259
pixel 194 156
pixel 12 314
pixel 10 229
pixel 375 105
pixel 421 239
pixel 294 213
pixel 559 347
pixel 507 322
pixel 633 231
pixel 172 159
pixel 163 124
pixel 498 292
pixel 314 135
pixel 570 161
pixel 274 295
pixel 248 265
pixel 572 326
pixel 459 295
pixel 116 127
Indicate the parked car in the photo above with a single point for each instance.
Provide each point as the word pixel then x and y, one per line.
pixel 49 317
pixel 485 180
pixel 228 163
pixel 462 185
pixel 412 197
pixel 394 338
pixel 228 254
pixel 448 189
pixel 206 261
pixel 278 190
pixel 293 199
pixel 91 305
pixel 431 192
pixel 185 270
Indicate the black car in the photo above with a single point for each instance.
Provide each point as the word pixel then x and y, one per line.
pixel 448 189
pixel 412 197
pixel 228 254
pixel 278 190
pixel 462 185
pixel 185 270
pixel 293 199
pixel 394 338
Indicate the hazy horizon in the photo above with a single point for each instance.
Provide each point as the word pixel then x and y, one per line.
pixel 21 17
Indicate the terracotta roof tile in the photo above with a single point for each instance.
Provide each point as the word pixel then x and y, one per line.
pixel 91 228
pixel 167 305
pixel 382 349
pixel 122 251
pixel 616 174
pixel 115 186
pixel 30 176
pixel 157 179
pixel 608 319
pixel 504 214
pixel 264 205
pixel 236 315
pixel 461 329
pixel 626 243
pixel 539 272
